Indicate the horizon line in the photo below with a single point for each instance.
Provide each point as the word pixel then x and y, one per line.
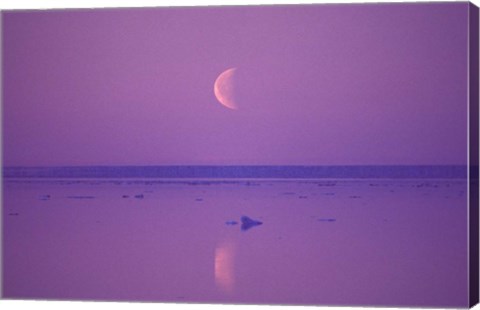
pixel 241 171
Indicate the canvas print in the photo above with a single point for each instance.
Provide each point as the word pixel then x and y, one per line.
pixel 281 154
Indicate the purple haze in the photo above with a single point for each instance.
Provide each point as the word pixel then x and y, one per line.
pixel 317 85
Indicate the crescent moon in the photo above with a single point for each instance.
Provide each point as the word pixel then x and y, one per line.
pixel 224 89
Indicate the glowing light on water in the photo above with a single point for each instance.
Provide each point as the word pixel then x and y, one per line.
pixel 224 266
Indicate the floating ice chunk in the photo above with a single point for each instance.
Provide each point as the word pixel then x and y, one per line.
pixel 80 197
pixel 248 223
pixel 327 220
pixel 44 197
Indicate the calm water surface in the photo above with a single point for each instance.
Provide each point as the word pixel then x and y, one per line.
pixel 328 242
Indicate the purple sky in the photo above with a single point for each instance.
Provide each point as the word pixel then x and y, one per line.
pixel 316 85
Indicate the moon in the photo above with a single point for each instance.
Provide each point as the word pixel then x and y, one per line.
pixel 224 89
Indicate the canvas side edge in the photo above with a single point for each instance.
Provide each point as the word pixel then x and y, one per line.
pixel 473 153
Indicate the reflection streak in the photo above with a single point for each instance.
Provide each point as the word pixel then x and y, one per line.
pixel 224 266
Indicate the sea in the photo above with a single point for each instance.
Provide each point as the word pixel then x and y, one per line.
pixel 288 235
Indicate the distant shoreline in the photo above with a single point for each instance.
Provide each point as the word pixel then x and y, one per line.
pixel 242 172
